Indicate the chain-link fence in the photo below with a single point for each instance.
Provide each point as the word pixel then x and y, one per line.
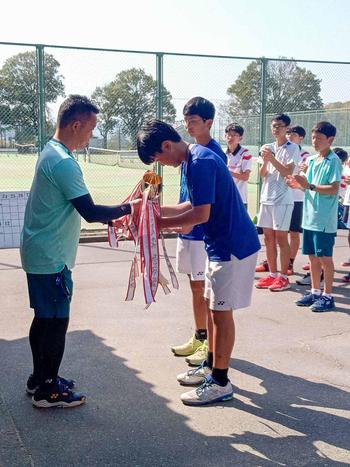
pixel 130 87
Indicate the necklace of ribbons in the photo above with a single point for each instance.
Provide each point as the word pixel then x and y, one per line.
pixel 142 228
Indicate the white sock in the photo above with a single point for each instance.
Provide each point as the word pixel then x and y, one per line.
pixel 273 274
pixel 327 295
pixel 316 291
pixel 284 276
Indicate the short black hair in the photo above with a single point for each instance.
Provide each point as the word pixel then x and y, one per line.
pixel 151 136
pixel 342 154
pixel 75 107
pixel 199 106
pixel 325 128
pixel 235 127
pixel 283 117
pixel 299 130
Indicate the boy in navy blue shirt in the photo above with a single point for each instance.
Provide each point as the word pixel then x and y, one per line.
pixel 191 256
pixel 231 243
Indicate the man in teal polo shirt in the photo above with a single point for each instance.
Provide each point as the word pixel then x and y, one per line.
pixel 49 242
pixel 320 215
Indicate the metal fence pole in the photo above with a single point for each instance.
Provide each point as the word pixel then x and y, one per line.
pixel 262 126
pixel 159 104
pixel 40 75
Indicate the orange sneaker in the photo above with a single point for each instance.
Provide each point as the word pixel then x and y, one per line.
pixel 280 284
pixel 262 267
pixel 265 282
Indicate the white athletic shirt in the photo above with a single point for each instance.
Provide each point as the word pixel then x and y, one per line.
pixel 346 195
pixel 240 161
pixel 274 189
pixel 298 195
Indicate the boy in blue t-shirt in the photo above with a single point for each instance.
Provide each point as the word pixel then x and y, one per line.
pixel 231 243
pixel 191 256
pixel 320 215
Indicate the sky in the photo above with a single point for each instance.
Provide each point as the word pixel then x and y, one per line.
pixel 302 29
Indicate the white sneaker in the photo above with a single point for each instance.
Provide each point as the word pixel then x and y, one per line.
pixel 208 393
pixel 306 280
pixel 194 377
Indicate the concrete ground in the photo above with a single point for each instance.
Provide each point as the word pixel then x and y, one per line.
pixel 290 368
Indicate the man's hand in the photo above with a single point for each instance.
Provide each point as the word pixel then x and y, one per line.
pixel 347 179
pixel 135 206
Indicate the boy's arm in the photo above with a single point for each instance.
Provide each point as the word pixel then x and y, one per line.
pixel 263 169
pixel 241 176
pixel 330 189
pixel 175 210
pixel 284 170
pixel 196 215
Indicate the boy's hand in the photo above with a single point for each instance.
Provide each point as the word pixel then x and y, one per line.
pixel 303 167
pixel 347 179
pixel 267 154
pixel 296 182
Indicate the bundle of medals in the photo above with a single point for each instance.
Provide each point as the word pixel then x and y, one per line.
pixel 142 228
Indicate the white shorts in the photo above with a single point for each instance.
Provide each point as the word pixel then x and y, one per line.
pixel 229 284
pixel 275 217
pixel 191 258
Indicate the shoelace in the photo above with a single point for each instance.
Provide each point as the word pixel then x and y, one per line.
pixel 206 384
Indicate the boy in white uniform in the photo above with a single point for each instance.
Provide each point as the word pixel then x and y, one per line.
pixel 279 160
pixel 296 134
pixel 239 160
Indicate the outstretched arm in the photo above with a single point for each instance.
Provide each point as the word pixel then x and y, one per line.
pixel 92 212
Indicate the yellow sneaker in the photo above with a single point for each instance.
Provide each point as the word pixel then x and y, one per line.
pixel 198 357
pixel 188 348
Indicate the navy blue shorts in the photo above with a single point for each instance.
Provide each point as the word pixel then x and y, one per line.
pixel 297 215
pixel 50 294
pixel 318 243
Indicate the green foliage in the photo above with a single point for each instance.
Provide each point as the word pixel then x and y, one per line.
pixel 128 101
pixel 289 88
pixel 19 91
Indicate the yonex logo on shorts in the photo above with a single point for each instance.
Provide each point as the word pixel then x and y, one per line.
pixel 221 303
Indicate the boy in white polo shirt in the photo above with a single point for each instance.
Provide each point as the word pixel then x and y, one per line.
pixel 296 134
pixel 239 160
pixel 279 160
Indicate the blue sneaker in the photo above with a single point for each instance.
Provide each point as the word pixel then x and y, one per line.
pixel 307 300
pixel 32 384
pixel 323 304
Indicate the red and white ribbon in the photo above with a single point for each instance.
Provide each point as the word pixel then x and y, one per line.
pixel 143 230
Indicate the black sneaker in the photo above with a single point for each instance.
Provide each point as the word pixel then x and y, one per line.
pixel 32 384
pixel 59 396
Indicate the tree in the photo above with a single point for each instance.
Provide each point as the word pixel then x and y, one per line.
pixel 106 102
pixel 129 100
pixel 19 91
pixel 289 88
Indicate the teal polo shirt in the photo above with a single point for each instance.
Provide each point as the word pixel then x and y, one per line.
pixel 320 212
pixel 51 228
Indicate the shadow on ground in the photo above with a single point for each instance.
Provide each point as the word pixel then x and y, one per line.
pixel 125 423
